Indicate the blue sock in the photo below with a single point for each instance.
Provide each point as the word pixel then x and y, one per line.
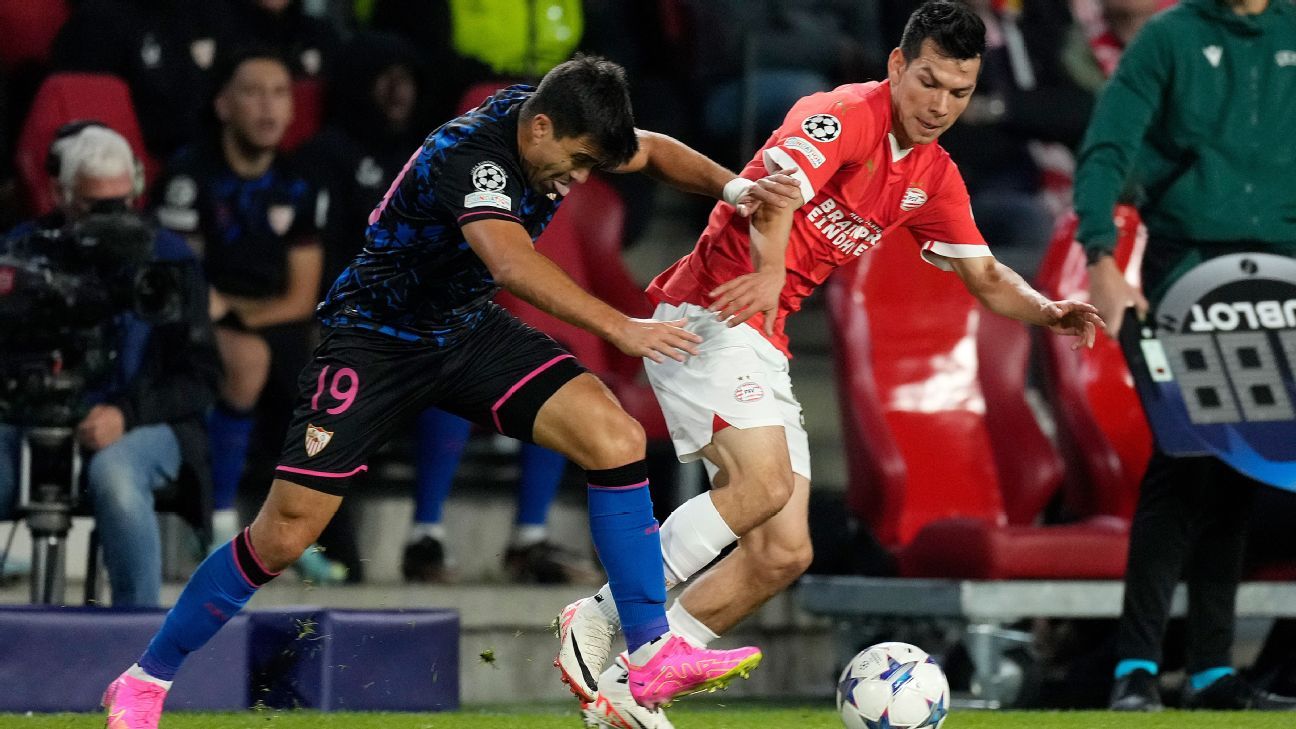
pixel 442 438
pixel 1130 665
pixel 218 589
pixel 542 472
pixel 1202 679
pixel 625 535
pixel 229 432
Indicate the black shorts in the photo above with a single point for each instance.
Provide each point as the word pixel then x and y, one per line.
pixel 362 385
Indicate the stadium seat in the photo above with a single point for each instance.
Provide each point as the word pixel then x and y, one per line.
pixel 62 98
pixel 947 463
pixel 308 113
pixel 584 239
pixel 479 92
pixel 30 29
pixel 1102 432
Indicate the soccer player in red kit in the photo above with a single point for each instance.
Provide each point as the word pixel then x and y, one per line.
pixel 869 170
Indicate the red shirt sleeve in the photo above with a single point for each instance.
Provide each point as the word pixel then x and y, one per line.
pixel 820 135
pixel 943 226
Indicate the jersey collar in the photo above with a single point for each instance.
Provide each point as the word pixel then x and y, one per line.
pixel 897 154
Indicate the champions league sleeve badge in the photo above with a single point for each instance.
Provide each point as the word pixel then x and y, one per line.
pixel 1214 365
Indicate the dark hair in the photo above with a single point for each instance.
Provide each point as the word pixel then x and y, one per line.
pixel 227 65
pixel 955 28
pixel 589 95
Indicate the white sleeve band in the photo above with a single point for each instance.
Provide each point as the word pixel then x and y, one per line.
pixel 735 188
pixel 777 159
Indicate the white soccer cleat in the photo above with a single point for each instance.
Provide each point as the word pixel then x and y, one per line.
pixel 585 640
pixel 614 707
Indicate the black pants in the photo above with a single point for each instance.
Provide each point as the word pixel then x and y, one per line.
pixel 1191 521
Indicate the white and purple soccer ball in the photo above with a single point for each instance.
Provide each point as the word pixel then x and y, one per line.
pixel 892 686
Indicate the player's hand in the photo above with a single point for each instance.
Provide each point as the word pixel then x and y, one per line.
pixel 1112 294
pixel 101 427
pixel 656 340
pixel 1074 318
pixel 742 298
pixel 779 189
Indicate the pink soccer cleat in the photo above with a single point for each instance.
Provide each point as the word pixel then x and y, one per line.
pixel 679 669
pixel 133 703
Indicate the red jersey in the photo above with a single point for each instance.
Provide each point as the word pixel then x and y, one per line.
pixel 860 189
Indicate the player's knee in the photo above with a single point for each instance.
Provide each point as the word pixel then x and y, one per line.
pixel 783 563
pixel 617 441
pixel 770 493
pixel 280 538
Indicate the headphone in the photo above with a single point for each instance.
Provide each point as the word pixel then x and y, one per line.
pixel 69 131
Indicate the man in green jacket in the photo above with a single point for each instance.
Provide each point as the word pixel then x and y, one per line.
pixel 1197 123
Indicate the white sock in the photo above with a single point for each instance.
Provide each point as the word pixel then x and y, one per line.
pixel 136 672
pixel 691 537
pixel 606 605
pixel 433 529
pixel 683 624
pixel 645 652
pixel 524 535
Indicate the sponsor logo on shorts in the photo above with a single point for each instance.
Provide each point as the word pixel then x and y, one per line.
pixel 748 391
pixel 316 439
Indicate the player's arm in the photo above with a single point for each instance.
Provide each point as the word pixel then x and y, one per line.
pixel 297 302
pixel 671 161
pixel 1005 292
pixel 508 253
pixel 758 292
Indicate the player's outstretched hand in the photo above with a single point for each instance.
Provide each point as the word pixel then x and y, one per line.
pixel 779 189
pixel 1074 318
pixel 742 298
pixel 656 340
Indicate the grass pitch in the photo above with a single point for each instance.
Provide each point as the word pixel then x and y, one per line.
pixel 713 716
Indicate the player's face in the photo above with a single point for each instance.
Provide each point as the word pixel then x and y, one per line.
pixel 256 105
pixel 928 93
pixel 554 164
pixel 395 93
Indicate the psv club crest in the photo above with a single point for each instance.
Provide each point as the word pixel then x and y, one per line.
pixel 316 439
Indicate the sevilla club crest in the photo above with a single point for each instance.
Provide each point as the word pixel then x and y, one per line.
pixel 316 439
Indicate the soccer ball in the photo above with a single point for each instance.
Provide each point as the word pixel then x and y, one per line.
pixel 892 686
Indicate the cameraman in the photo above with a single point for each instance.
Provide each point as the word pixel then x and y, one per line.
pixel 144 427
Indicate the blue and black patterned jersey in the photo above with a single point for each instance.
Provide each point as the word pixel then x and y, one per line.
pixel 417 278
pixel 247 225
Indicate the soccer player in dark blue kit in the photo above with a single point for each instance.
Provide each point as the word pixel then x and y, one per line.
pixel 410 324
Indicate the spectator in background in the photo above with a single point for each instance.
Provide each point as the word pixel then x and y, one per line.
pixel 1209 145
pixel 251 218
pixel 755 58
pixel 144 427
pixel 307 44
pixel 469 43
pixel 161 48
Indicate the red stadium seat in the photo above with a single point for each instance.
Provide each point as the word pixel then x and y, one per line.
pixel 948 465
pixel 584 239
pixel 62 98
pixel 1101 427
pixel 308 113
pixel 30 28
pixel 479 92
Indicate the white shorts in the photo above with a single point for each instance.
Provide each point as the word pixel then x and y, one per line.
pixel 737 375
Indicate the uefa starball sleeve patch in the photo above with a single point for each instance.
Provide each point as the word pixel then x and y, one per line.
pixel 489 181
pixel 822 127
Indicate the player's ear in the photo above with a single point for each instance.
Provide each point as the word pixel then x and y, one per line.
pixel 541 127
pixel 895 65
